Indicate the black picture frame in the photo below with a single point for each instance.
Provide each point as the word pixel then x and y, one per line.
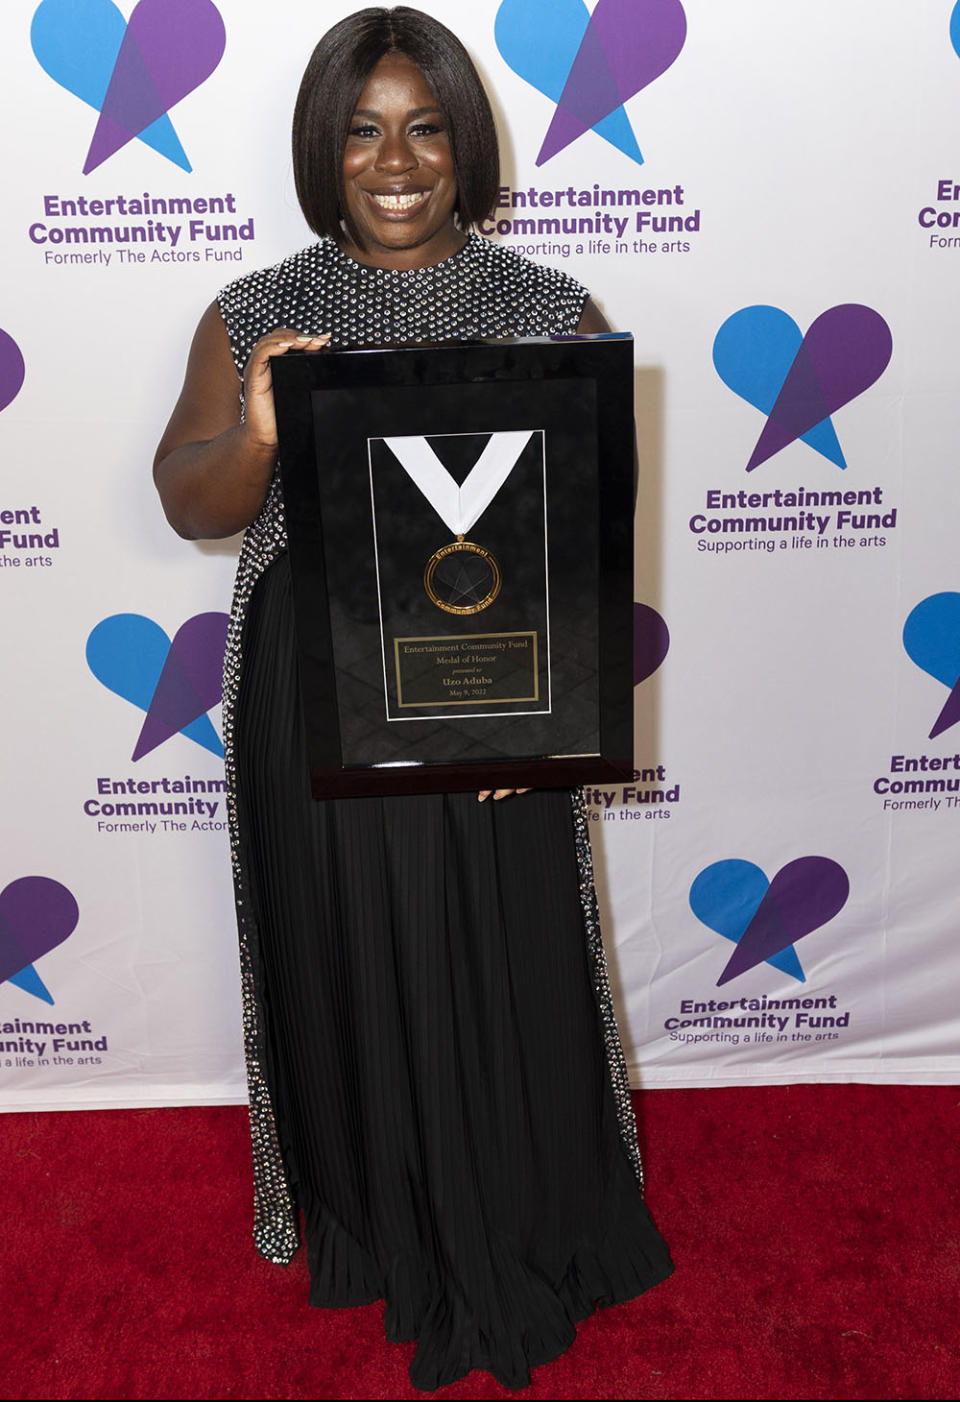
pixel 511 665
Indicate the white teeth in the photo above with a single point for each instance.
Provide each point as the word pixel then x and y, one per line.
pixel 398 201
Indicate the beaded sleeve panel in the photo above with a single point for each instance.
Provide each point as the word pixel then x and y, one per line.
pixel 484 291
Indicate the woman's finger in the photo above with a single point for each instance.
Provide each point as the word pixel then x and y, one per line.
pixel 279 342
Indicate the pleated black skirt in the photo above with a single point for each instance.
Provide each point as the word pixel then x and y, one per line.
pixel 434 1048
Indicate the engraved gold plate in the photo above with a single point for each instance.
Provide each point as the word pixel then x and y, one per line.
pixel 462 577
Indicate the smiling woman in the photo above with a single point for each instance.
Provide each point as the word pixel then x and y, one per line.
pixel 436 1079
pixel 399 181
pixel 438 139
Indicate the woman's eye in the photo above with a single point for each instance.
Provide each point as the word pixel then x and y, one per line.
pixel 363 129
pixel 426 129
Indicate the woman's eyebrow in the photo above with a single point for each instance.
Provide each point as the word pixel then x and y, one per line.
pixel 415 112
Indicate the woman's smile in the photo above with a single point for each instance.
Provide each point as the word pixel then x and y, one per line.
pixel 400 203
pixel 397 206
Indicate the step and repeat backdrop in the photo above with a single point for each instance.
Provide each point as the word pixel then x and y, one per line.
pixel 768 197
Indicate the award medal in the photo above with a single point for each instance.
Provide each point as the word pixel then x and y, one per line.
pixel 462 577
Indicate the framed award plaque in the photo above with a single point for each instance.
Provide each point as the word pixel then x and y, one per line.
pixel 460 522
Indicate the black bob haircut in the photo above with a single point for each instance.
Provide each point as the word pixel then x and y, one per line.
pixel 334 79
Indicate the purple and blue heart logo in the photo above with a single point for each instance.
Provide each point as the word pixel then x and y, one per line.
pixel 955 27
pixel 176 683
pixel 36 915
pixel 931 639
pixel 12 370
pixel 766 919
pixel 589 65
pixel 798 381
pixel 133 72
pixel 651 640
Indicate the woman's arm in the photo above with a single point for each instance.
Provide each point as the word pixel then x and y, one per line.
pixel 211 470
pixel 592 320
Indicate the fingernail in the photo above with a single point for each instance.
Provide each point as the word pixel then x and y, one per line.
pixel 302 337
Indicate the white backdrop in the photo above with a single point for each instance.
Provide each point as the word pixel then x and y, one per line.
pixel 809 150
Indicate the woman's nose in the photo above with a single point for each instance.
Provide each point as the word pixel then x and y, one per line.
pixel 395 153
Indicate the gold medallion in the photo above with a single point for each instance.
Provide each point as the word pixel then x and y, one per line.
pixel 462 577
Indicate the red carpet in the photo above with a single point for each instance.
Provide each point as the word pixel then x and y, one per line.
pixel 815 1229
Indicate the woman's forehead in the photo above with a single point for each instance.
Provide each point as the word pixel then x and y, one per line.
pixel 396 81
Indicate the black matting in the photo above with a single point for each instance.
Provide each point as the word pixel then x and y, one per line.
pixel 536 687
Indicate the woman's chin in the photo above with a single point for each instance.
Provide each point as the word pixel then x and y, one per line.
pixel 398 237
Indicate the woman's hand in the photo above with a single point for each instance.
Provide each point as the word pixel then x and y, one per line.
pixel 212 470
pixel 259 413
pixel 498 793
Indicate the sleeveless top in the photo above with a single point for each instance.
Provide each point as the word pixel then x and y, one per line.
pixel 482 291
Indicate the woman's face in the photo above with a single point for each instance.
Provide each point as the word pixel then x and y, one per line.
pixel 398 171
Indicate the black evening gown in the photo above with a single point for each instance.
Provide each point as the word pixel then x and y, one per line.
pixel 427 1037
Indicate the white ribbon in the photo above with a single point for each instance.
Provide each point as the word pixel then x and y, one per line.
pixel 459 507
